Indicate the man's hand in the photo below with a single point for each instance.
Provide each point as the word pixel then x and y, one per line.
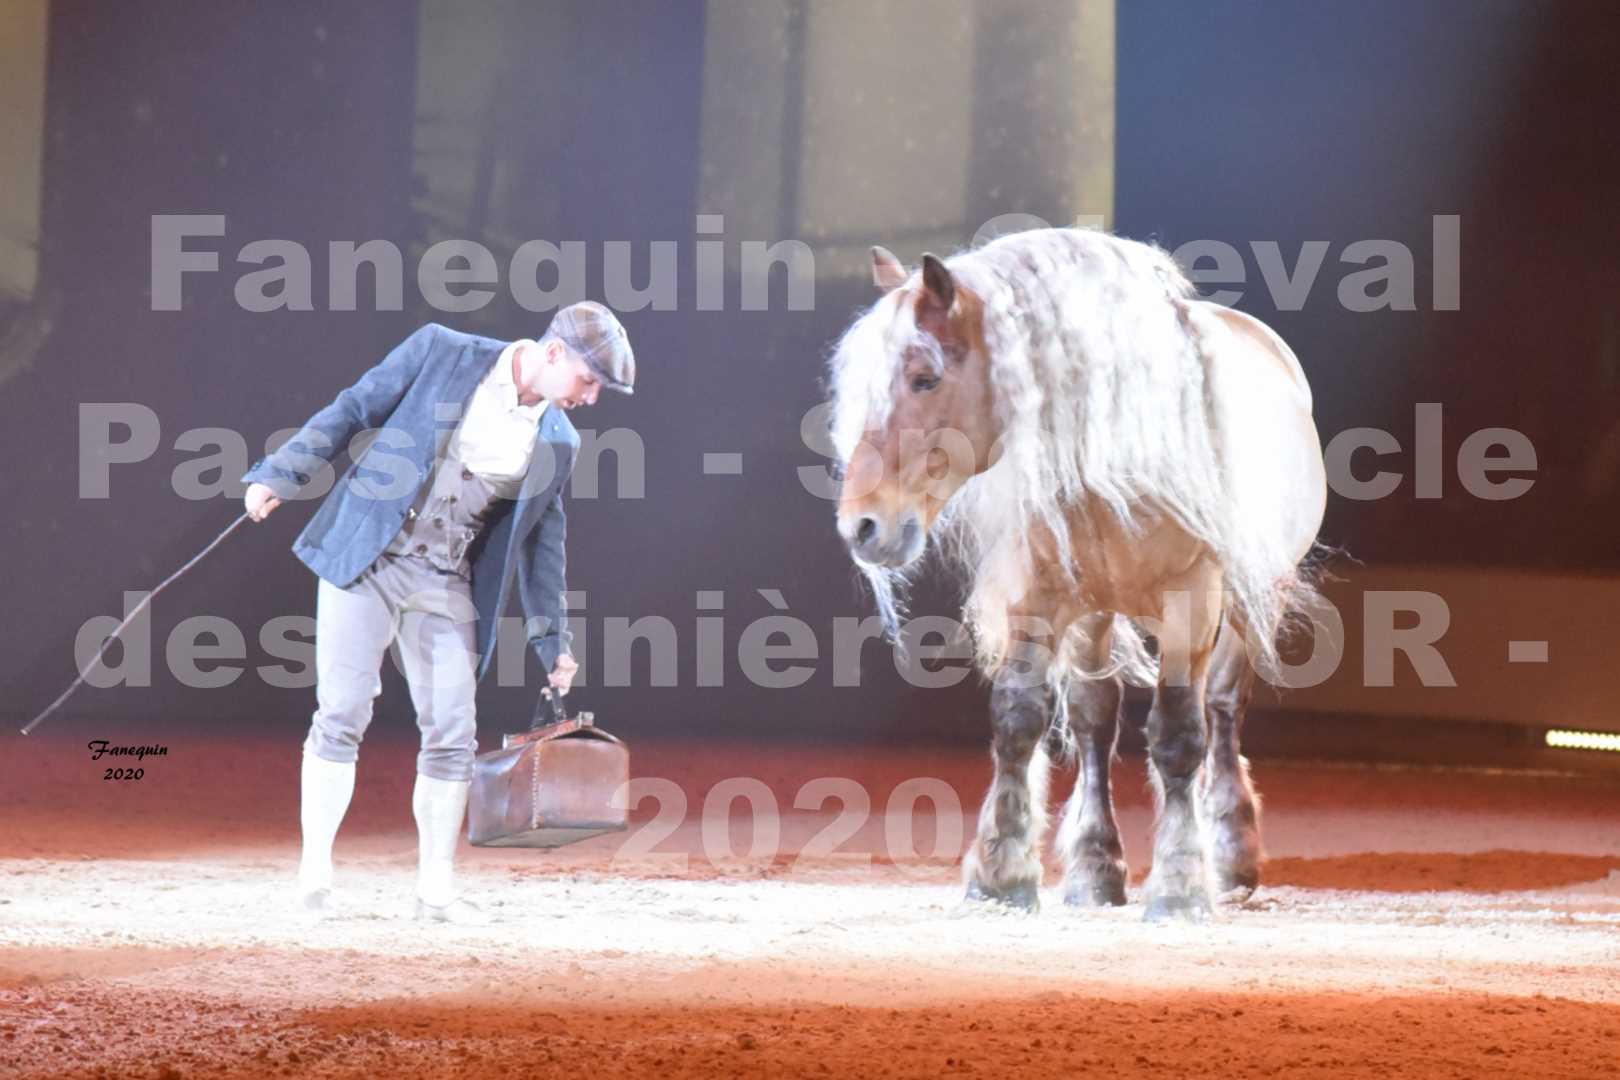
pixel 562 675
pixel 259 501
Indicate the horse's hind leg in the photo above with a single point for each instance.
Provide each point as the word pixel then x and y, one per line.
pixel 1230 804
pixel 1004 863
pixel 1094 861
pixel 1178 886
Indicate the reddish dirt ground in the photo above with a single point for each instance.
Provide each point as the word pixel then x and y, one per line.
pixel 1412 923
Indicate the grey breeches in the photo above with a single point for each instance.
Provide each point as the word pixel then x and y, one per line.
pixel 428 616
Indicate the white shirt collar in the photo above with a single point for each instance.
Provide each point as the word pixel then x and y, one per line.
pixel 506 387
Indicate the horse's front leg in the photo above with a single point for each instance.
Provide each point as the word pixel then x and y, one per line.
pixel 1004 863
pixel 1093 858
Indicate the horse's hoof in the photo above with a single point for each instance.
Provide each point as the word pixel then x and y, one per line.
pixel 1237 886
pixel 1107 893
pixel 1192 908
pixel 1020 895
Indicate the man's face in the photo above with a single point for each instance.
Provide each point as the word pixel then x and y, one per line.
pixel 561 378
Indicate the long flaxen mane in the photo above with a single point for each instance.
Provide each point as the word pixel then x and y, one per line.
pixel 1103 391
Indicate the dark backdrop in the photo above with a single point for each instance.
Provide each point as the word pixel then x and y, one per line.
pixel 1239 121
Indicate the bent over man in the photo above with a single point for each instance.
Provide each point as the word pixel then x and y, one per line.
pixel 453 508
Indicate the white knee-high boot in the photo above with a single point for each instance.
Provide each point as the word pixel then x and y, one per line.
pixel 439 806
pixel 325 788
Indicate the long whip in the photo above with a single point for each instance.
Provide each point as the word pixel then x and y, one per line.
pixel 140 607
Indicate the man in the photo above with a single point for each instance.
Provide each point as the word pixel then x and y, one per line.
pixel 454 506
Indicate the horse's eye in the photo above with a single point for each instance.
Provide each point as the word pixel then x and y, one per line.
pixel 921 384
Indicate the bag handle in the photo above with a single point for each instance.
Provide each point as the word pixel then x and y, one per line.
pixel 549 704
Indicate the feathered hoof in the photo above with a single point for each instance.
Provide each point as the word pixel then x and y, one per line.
pixel 1237 884
pixel 1102 892
pixel 456 913
pixel 1190 908
pixel 316 904
pixel 1020 895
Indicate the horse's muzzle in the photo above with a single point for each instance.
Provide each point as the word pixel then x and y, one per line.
pixel 889 544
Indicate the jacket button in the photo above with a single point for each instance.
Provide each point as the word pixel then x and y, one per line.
pixel 421 549
pixel 466 474
pixel 438 522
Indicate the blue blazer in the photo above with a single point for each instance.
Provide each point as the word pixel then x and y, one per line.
pixel 410 404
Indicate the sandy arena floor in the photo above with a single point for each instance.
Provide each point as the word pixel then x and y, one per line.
pixel 1413 923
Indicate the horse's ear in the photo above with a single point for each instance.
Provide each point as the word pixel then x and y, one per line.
pixel 937 280
pixel 887 271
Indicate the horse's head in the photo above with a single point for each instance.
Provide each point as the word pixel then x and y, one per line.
pixel 913 416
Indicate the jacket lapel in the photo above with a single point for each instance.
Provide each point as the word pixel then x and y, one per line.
pixel 549 466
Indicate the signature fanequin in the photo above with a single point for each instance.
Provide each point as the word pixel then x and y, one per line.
pixel 100 748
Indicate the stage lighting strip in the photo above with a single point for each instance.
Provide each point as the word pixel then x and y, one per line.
pixel 1584 740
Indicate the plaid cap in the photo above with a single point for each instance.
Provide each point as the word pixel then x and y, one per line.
pixel 592 331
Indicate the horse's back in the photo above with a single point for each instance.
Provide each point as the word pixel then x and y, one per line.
pixel 1265 344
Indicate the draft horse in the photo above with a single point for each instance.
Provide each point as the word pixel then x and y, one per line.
pixel 1107 461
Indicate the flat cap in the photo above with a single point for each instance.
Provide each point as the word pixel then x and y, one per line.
pixel 596 335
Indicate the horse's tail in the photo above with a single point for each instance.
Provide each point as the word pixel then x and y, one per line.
pixel 1304 610
pixel 1293 609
